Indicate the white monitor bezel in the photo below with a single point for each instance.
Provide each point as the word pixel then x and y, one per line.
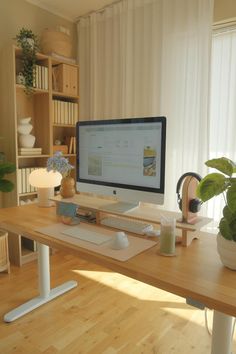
pixel 124 192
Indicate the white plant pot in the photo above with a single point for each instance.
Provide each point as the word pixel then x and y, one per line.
pixel 30 42
pixel 227 251
pixel 27 141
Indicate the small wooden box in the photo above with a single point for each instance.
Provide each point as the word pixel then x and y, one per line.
pixel 62 148
pixel 66 77
pixel 4 255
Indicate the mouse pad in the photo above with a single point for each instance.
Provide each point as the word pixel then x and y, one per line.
pixel 136 244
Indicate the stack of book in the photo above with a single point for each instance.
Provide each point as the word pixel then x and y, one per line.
pixel 71 143
pixel 65 112
pixel 41 77
pixel 29 151
pixel 23 180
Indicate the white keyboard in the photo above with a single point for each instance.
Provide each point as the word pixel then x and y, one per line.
pixel 86 235
pixel 130 225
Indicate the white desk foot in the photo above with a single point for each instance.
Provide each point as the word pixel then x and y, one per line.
pixel 221 333
pixel 38 301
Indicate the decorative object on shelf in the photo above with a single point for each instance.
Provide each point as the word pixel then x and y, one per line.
pixel 57 142
pixel 5 169
pixel 223 183
pixel 67 189
pixel 45 181
pixel 28 41
pixel 61 164
pixel 20 79
pixel 26 140
pixel 56 42
pixel 61 148
pixel 58 146
pixel 67 213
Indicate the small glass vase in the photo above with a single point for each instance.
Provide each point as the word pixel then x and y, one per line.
pixel 67 189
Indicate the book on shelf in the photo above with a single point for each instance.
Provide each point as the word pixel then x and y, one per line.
pixel 40 77
pixel 74 145
pixel 71 143
pixel 19 183
pixel 29 151
pixel 23 180
pixel 65 112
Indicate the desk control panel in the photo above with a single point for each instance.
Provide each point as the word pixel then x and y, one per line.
pixel 130 225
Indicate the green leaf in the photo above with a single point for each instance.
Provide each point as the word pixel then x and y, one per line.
pixel 223 165
pixel 211 186
pixel 6 186
pixel 228 215
pixel 231 198
pixel 6 167
pixel 232 226
pixel 225 229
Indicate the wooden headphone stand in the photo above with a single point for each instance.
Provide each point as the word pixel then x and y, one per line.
pixel 188 193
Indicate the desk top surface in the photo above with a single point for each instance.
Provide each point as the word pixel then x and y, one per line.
pixel 196 271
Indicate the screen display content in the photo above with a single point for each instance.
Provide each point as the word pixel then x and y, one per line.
pixel 121 154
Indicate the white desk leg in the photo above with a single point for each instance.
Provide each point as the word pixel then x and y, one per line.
pixel 221 333
pixel 46 294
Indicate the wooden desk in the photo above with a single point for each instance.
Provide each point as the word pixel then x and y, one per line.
pixel 196 272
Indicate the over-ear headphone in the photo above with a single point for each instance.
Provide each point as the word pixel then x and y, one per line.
pixel 194 204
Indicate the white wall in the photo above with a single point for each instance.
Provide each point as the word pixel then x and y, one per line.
pixel 224 9
pixel 15 14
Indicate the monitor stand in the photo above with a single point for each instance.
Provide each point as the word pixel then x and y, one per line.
pixel 120 207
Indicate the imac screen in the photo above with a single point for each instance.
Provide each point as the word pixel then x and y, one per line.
pixel 120 155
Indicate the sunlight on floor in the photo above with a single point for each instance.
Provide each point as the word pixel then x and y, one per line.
pixel 171 303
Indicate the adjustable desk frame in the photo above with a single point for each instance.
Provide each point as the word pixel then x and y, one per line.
pixel 206 281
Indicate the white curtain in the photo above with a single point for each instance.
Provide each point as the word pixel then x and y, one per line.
pixel 141 58
pixel 222 141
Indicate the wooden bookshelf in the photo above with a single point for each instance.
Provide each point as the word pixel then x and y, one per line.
pixel 16 104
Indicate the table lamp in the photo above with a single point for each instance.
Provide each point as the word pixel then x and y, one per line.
pixel 45 182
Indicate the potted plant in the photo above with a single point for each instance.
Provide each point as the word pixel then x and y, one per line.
pixel 28 41
pixel 223 182
pixel 61 164
pixel 5 184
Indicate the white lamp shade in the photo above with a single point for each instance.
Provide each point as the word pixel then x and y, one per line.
pixel 41 178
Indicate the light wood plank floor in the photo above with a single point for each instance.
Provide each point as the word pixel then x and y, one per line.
pixel 108 313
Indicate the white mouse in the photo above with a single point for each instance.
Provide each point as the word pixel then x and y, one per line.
pixel 120 241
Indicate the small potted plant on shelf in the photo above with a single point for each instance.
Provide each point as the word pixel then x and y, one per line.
pixel 61 164
pixel 28 42
pixel 223 183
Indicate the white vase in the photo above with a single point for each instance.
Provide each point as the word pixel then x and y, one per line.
pixel 25 120
pixel 27 141
pixel 227 251
pixel 24 129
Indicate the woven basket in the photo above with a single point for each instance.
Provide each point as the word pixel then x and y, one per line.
pixel 56 42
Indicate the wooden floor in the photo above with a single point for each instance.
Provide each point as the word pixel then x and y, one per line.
pixel 108 313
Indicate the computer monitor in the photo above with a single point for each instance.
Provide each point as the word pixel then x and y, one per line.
pixel 124 158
